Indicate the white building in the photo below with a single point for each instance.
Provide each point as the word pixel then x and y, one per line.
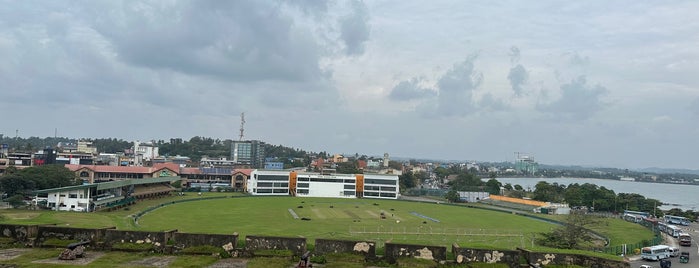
pixel 144 151
pixel 274 182
pixel 86 147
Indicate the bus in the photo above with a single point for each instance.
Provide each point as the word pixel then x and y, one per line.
pixel 637 213
pixel 662 227
pixel 671 219
pixel 685 240
pixel 655 253
pixel 673 230
pixel 633 218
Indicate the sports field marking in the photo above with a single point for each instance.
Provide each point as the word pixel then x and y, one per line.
pixel 351 214
pixel 293 214
pixel 373 214
pixel 318 213
pixel 423 216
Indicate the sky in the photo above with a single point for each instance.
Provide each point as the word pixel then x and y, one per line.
pixel 593 83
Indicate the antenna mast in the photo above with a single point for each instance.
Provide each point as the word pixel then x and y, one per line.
pixel 242 125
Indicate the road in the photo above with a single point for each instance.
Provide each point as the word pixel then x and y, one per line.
pixel 693 230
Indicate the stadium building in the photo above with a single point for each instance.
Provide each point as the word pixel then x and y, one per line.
pixel 293 183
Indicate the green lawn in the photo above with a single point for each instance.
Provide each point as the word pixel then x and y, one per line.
pixel 356 219
pixel 347 219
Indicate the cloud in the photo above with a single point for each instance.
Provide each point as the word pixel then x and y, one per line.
pixel 578 101
pixel 518 76
pixel 694 108
pixel 514 54
pixel 411 89
pixel 231 40
pixel 455 88
pixel 354 28
pixel 491 103
pixel 577 60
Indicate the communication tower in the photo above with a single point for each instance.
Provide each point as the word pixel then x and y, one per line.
pixel 242 126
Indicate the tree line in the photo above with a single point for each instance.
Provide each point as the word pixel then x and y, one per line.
pixel 16 184
pixel 589 196
pixel 195 148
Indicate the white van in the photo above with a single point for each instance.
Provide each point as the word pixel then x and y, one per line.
pixel 674 252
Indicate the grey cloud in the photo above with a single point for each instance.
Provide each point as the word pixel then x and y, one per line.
pixel 354 29
pixel 576 59
pixel 694 108
pixel 234 40
pixel 578 100
pixel 310 7
pixel 490 102
pixel 518 76
pixel 514 54
pixel 410 89
pixel 456 89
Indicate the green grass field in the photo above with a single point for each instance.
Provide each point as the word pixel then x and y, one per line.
pixel 348 219
pixel 355 219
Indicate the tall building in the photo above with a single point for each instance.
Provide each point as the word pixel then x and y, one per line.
pixel 248 153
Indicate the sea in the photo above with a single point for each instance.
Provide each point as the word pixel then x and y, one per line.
pixel 682 196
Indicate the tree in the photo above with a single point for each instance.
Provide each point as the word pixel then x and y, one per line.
pixel 573 234
pixel 37 178
pixel 441 172
pixel 493 186
pixel 407 180
pixel 466 182
pixel 452 196
pixel 508 186
pixel 348 168
pixel 549 192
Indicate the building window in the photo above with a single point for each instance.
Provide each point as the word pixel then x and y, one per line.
pixel 388 195
pixel 73 196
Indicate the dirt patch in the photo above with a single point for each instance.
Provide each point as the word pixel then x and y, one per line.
pixel 163 261
pixel 318 214
pixel 373 214
pixel 351 214
pixel 85 260
pixel 8 254
pixel 230 263
pixel 21 216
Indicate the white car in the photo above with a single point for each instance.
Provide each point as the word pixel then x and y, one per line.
pixel 645 266
pixel 80 209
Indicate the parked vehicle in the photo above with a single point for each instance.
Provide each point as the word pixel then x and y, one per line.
pixel 674 252
pixel 655 253
pixel 684 257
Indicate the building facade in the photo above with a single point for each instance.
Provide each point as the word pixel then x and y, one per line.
pixel 292 183
pixel 248 153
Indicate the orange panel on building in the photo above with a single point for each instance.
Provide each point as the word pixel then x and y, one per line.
pixel 359 185
pixel 292 183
